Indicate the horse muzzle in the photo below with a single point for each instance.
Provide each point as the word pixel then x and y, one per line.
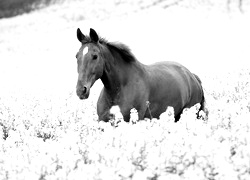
pixel 82 92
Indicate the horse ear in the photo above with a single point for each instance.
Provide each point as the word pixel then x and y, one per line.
pixel 80 35
pixel 93 35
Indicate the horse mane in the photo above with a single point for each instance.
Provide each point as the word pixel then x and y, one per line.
pixel 121 48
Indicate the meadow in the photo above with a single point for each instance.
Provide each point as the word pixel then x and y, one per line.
pixel 48 133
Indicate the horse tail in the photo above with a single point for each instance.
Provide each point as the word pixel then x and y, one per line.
pixel 203 101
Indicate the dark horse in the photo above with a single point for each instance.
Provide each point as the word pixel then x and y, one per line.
pixel 131 84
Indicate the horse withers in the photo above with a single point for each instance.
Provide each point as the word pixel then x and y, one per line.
pixel 150 89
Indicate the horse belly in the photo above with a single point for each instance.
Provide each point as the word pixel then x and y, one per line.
pixel 169 92
pixel 161 98
pixel 177 103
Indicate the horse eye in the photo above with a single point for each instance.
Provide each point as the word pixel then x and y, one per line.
pixel 94 57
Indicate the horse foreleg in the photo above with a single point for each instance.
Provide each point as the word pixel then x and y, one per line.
pixel 103 108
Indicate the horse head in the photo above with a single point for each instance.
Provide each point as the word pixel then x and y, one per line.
pixel 90 62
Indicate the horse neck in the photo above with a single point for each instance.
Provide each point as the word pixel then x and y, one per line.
pixel 114 77
pixel 118 73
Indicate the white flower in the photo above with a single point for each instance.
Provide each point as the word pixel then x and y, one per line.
pixel 140 175
pixel 116 116
pixel 168 115
pixel 134 117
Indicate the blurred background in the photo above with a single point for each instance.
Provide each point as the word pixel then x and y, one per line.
pixel 38 37
pixel 98 8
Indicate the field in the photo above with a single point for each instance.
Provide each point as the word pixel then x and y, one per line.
pixel 48 133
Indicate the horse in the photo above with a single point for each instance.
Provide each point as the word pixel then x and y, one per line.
pixel 128 83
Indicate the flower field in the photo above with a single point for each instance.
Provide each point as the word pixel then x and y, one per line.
pixel 42 139
pixel 46 132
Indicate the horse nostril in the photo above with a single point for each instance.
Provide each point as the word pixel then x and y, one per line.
pixel 82 92
pixel 84 89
